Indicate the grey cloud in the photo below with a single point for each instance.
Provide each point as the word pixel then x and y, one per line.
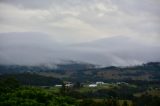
pixel 132 6
pixel 138 7
pixel 35 49
pixel 33 4
pixel 60 22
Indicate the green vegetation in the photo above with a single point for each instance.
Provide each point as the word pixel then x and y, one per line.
pixel 81 72
pixel 32 79
pixel 12 93
pixel 35 86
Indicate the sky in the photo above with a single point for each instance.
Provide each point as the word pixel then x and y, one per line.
pixel 95 31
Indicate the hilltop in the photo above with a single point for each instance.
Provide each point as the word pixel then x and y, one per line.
pixel 87 72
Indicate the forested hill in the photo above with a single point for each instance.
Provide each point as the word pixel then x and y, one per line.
pixel 89 72
pixel 44 68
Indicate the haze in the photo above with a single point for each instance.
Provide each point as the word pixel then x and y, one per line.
pixel 102 32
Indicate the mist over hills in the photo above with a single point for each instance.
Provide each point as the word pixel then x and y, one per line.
pixel 33 48
pixel 87 72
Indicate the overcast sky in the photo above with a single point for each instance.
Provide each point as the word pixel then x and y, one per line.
pixel 77 21
pixel 82 20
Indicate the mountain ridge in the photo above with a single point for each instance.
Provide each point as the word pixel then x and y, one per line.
pixel 88 72
pixel 36 49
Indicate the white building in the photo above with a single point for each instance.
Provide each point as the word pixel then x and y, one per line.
pixel 100 83
pixel 58 85
pixel 69 85
pixel 93 85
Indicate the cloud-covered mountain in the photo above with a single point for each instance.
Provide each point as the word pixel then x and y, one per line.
pixel 121 50
pixel 30 48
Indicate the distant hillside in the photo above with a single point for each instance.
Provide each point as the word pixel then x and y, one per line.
pixel 70 66
pixel 88 72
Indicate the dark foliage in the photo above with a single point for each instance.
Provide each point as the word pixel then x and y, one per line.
pixel 32 79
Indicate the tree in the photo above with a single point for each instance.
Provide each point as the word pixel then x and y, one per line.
pixel 125 103
pixel 112 102
pixel 77 85
pixel 8 84
pixel 63 89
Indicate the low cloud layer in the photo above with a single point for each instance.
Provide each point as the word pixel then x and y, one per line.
pixel 36 49
pixel 49 31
